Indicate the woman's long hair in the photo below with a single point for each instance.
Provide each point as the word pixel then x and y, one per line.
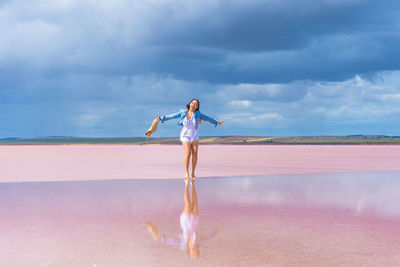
pixel 198 102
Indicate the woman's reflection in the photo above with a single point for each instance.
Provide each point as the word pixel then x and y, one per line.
pixel 190 235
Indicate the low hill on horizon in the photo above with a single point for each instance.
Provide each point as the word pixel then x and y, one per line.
pixel 228 140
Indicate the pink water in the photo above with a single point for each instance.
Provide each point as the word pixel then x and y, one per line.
pixel 99 162
pixel 342 219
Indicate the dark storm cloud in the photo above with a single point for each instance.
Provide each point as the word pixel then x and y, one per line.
pixel 211 41
pixel 261 25
pixel 278 41
pixel 99 68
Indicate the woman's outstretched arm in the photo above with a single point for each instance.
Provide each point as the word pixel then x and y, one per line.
pixel 211 120
pixel 170 116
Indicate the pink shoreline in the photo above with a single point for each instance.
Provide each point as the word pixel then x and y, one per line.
pixel 99 162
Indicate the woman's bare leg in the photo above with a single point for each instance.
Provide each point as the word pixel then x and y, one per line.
pixel 195 206
pixel 187 208
pixel 187 148
pixel 195 149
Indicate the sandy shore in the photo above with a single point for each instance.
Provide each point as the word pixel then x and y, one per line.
pixel 99 162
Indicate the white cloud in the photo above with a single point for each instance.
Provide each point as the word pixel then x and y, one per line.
pixel 93 114
pixel 253 120
pixel 390 97
pixel 33 40
pixel 261 92
pixel 240 103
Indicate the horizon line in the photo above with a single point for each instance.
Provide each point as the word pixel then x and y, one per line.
pixel 272 136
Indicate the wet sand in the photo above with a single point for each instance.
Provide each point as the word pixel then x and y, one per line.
pixel 280 220
pixel 103 162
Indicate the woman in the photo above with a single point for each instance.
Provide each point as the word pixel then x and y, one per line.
pixel 190 120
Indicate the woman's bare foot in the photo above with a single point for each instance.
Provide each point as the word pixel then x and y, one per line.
pixel 187 177
pixel 194 177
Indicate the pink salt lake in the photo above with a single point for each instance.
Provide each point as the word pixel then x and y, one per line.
pixel 270 205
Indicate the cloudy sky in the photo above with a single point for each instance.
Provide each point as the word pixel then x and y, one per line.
pixel 101 68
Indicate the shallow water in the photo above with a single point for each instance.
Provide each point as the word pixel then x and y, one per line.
pixel 283 220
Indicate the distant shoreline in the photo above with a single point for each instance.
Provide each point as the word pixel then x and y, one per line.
pixel 210 140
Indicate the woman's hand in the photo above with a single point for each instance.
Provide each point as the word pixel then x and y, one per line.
pixel 220 123
pixel 158 119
